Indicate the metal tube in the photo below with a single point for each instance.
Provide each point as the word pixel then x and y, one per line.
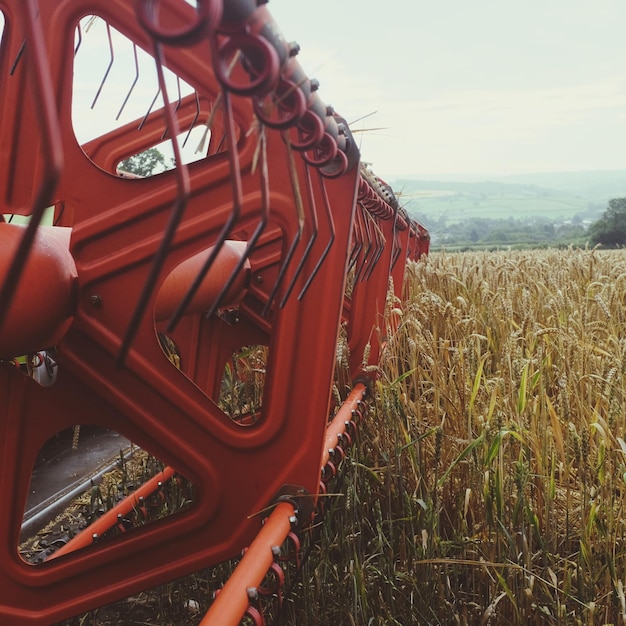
pixel 109 519
pixel 231 603
pixel 42 306
pixel 337 425
pixel 178 282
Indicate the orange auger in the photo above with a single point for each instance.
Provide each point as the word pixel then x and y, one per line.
pixel 234 600
pixel 109 519
pixel 240 595
pixel 146 293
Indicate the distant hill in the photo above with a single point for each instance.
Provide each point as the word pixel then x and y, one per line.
pixel 593 185
pixel 554 195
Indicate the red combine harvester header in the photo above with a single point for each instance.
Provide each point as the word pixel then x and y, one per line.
pixel 124 299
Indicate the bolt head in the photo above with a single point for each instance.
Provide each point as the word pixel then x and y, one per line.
pixel 253 594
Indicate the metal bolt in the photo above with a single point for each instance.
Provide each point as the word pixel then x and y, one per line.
pixel 253 594
pixel 276 551
pixel 293 520
pixel 294 48
pixel 329 110
pixel 315 84
pixel 95 301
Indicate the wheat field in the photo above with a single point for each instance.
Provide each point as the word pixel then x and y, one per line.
pixel 489 481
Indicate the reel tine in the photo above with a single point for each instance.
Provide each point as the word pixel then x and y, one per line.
pixel 331 240
pixel 237 194
pixel 178 208
pixel 53 154
pixel 265 212
pixel 311 241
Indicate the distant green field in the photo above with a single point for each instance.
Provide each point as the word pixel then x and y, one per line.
pixel 553 196
pixel 461 207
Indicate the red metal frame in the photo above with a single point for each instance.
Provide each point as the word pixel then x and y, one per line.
pixel 291 195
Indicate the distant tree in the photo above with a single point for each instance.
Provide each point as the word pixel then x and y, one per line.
pixel 146 163
pixel 610 229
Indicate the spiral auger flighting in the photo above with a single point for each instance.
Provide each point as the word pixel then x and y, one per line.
pixel 157 301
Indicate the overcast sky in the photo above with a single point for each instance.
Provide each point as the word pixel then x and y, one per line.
pixel 470 86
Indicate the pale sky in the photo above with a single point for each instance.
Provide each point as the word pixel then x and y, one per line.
pixel 470 86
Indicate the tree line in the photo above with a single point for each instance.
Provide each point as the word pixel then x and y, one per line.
pixel 610 229
pixel 531 231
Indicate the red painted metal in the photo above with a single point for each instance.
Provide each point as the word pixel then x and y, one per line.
pixel 178 282
pixel 252 245
pixel 43 304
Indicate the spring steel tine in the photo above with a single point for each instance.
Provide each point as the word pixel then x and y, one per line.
pixel 331 239
pixel 282 271
pixel 372 232
pixel 368 247
pixel 134 83
pixel 307 250
pixel 371 247
pixel 178 102
pixel 79 32
pixel 237 189
pixel 18 56
pixel 378 249
pixel 53 153
pixel 194 120
pixel 298 235
pixel 265 214
pixel 374 249
pixel 397 248
pixel 180 97
pixel 145 117
pixel 357 244
pixel 366 244
pixel 213 108
pixel 106 73
pixel 221 143
pixel 182 183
